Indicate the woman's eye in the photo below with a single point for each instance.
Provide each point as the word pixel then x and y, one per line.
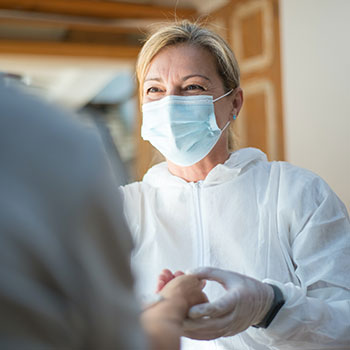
pixel 194 87
pixel 153 89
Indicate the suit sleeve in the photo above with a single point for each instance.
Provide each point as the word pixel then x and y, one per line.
pixel 317 311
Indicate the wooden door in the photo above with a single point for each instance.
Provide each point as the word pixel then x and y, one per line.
pixel 252 29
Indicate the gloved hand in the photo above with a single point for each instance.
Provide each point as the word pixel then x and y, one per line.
pixel 246 303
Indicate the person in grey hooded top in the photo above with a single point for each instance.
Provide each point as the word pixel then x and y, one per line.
pixel 65 279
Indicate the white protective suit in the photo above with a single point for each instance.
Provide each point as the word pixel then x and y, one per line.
pixel 268 220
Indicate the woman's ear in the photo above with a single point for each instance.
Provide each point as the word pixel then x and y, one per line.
pixel 237 101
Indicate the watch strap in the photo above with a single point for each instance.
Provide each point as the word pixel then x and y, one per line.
pixel 277 303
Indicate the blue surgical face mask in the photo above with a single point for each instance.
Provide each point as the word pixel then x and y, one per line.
pixel 182 128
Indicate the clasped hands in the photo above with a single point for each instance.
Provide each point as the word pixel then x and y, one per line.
pixel 245 303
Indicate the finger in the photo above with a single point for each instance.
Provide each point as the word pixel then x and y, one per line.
pixel 207 335
pixel 168 274
pixel 224 277
pixel 208 328
pixel 188 272
pixel 178 273
pixel 201 335
pixel 160 285
pixel 208 325
pixel 217 308
pixel 201 310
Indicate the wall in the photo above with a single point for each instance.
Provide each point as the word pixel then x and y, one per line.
pixel 315 53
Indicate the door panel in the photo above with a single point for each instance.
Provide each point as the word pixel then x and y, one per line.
pixel 253 33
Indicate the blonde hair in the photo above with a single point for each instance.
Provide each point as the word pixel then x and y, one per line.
pixel 186 32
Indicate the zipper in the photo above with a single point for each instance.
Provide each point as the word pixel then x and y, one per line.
pixel 199 232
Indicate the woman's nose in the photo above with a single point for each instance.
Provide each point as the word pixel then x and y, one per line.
pixel 173 90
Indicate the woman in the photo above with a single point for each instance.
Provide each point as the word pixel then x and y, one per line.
pixel 272 233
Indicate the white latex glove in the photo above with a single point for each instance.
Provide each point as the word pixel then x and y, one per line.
pixel 246 303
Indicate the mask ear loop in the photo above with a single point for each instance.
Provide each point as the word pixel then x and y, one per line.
pixel 224 95
pixel 226 125
pixel 234 117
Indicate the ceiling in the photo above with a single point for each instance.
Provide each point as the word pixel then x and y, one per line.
pixel 201 6
pixel 71 49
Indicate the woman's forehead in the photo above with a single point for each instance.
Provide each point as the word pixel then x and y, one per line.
pixel 183 60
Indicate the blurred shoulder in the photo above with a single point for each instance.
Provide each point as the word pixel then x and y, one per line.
pixel 135 190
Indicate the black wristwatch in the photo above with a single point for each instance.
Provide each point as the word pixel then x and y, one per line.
pixel 277 303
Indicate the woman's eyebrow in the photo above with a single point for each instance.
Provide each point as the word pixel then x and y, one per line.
pixel 184 78
pixel 195 75
pixel 156 79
